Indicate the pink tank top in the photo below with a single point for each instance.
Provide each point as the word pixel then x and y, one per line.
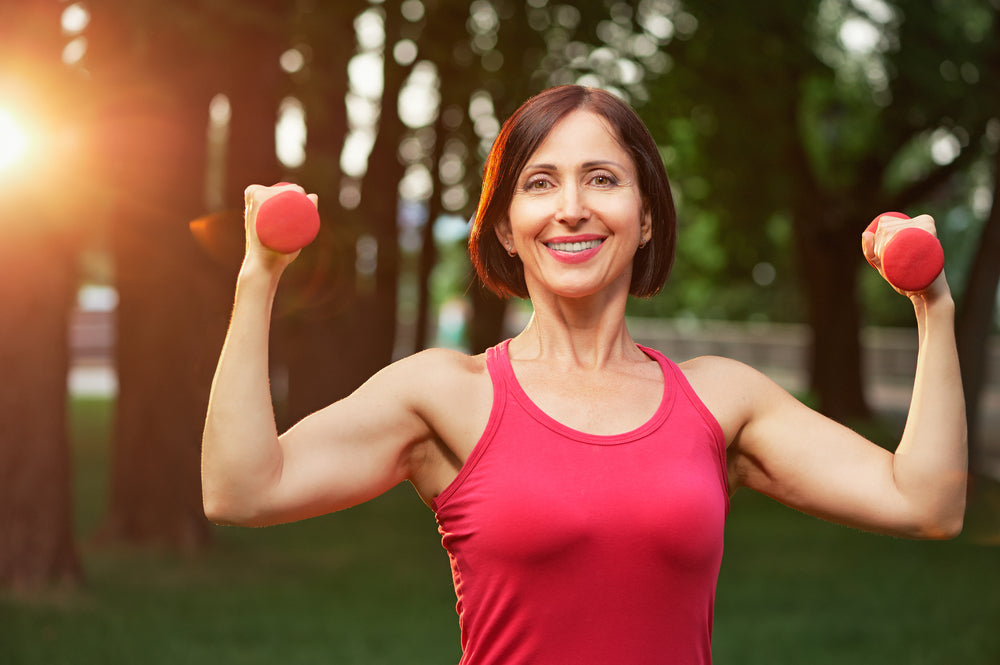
pixel 578 549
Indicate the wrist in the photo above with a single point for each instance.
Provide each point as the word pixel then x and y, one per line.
pixel 934 304
pixel 259 272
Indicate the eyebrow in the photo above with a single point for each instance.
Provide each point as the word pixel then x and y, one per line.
pixel 586 165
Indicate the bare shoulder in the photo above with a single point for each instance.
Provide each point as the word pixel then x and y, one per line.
pixel 438 366
pixel 452 383
pixel 706 373
pixel 451 391
pixel 440 387
pixel 730 389
pixel 438 373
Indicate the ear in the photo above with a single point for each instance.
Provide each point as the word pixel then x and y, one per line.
pixel 646 225
pixel 504 235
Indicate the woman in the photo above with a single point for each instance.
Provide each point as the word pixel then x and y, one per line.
pixel 580 481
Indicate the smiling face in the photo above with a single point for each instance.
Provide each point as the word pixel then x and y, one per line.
pixel 577 217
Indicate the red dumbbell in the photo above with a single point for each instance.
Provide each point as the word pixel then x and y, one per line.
pixel 912 259
pixel 287 222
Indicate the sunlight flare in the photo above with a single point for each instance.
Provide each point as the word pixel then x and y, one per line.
pixel 15 140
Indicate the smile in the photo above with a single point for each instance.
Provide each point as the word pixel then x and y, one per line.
pixel 567 250
pixel 574 247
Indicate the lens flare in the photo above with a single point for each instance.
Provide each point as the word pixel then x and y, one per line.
pixel 14 140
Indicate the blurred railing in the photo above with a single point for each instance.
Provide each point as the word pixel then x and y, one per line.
pixel 781 349
pixel 890 354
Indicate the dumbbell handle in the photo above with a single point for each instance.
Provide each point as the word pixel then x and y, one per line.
pixel 912 259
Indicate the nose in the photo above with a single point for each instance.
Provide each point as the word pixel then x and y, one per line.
pixel 573 208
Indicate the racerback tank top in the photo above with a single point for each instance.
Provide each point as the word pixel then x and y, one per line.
pixel 578 549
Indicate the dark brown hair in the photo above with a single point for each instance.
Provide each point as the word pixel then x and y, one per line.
pixel 520 136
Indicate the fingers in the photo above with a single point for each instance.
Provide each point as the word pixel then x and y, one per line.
pixel 905 251
pixel 868 249
pixel 888 226
pixel 255 196
pixel 260 193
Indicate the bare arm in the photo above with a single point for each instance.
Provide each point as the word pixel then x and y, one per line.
pixel 344 454
pixel 783 449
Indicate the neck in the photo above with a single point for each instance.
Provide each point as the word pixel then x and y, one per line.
pixel 583 332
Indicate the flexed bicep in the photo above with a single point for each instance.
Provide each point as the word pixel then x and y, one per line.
pixel 347 453
pixel 780 447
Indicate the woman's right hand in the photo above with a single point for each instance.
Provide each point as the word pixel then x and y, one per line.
pixel 254 197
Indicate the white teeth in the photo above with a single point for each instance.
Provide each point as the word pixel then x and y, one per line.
pixel 574 246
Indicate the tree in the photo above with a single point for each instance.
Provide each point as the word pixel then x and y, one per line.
pixel 975 316
pixel 976 308
pixel 830 144
pixel 334 327
pixel 37 287
pixel 154 67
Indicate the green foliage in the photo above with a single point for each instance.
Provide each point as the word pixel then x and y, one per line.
pixel 840 126
pixel 752 81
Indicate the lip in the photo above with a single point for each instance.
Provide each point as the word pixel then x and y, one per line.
pixel 574 257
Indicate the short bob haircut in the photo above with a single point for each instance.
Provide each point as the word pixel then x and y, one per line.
pixel 520 136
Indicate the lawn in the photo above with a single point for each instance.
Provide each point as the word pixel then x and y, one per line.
pixel 371 585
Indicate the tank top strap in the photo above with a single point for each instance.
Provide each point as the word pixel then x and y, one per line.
pixel 498 369
pixel 701 409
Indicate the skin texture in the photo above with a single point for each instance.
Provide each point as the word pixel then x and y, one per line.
pixel 419 418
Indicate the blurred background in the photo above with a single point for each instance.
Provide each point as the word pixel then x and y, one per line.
pixel 128 131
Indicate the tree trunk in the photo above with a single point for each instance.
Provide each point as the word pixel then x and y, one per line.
pixel 428 248
pixel 486 325
pixel 174 296
pixel 835 354
pixel 37 283
pixel 380 199
pixel 319 326
pixel 827 254
pixel 38 257
pixel 173 308
pixel 975 315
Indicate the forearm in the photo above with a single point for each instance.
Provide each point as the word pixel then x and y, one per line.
pixel 240 452
pixel 930 464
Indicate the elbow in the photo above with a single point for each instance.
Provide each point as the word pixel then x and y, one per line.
pixel 942 526
pixel 225 512
pixel 941 516
pixel 216 511
pixel 945 529
pixel 941 532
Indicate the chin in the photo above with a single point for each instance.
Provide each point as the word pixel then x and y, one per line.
pixel 578 290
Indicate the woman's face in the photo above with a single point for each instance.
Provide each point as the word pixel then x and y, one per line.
pixel 576 217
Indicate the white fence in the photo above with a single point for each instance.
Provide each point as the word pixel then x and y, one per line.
pixel 890 354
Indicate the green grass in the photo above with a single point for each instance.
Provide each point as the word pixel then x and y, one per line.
pixel 371 585
pixel 797 590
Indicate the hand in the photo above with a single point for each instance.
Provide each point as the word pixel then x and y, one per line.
pixel 905 251
pixel 255 196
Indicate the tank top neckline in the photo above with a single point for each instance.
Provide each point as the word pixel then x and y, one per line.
pixel 503 364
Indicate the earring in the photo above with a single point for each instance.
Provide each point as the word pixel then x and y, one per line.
pixel 511 252
pixel 642 243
